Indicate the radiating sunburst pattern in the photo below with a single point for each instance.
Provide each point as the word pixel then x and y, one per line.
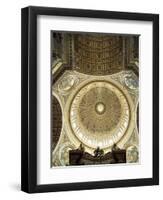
pixel 99 114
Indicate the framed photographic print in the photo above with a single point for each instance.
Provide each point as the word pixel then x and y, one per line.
pixel 90 99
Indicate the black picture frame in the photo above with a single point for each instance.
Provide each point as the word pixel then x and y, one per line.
pixel 29 99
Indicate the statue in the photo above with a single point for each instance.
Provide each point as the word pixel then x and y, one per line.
pixel 98 152
pixel 115 147
pixel 81 147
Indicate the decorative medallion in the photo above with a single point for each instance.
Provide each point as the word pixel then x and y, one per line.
pixel 132 154
pixel 66 84
pixel 131 81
